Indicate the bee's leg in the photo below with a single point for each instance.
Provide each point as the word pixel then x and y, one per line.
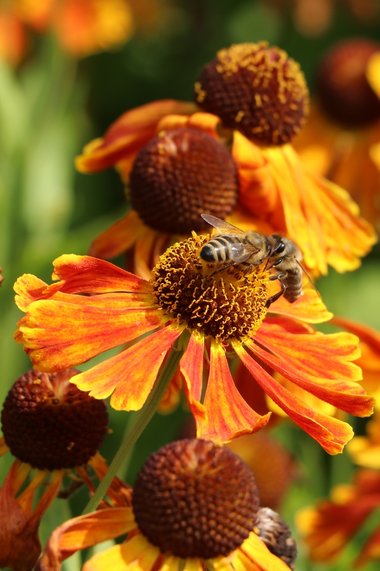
pixel 280 277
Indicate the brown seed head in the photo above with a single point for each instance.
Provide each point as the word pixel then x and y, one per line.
pixel 178 175
pixel 255 89
pixel 49 423
pixel 342 85
pixel 276 535
pixel 195 499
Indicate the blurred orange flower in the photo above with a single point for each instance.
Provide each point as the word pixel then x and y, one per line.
pixel 95 306
pixel 328 527
pixel 341 140
pixel 273 190
pixel 82 27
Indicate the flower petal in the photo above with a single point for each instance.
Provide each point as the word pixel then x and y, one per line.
pixel 119 237
pixel 128 134
pixel 191 367
pixel 309 307
pixel 83 532
pixel 123 374
pixel 332 434
pixel 59 333
pixel 254 551
pixel 227 413
pixel 324 369
pixel 135 553
pixel 86 274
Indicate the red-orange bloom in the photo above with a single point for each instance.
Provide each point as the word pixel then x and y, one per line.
pixel 95 306
pixel 275 192
pixel 329 526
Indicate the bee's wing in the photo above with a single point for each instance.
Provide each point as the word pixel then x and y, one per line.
pixel 222 225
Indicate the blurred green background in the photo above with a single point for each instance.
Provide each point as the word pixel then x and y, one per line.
pixel 52 104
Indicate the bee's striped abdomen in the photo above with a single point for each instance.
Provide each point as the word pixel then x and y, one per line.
pixel 219 249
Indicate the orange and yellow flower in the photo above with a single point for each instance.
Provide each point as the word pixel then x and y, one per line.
pixel 341 140
pixel 95 306
pixel 365 450
pixel 329 527
pixel 82 27
pixel 274 192
pixel 165 523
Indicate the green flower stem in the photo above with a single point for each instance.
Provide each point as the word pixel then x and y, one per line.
pixel 138 424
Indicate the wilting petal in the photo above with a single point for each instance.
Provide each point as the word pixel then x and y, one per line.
pixel 128 134
pixel 119 237
pixel 83 532
pixel 19 543
pixel 332 434
pixel 123 374
pixel 325 370
pixel 227 413
pixel 59 333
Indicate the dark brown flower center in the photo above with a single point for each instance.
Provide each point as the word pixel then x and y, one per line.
pixel 178 175
pixel 49 423
pixel 224 303
pixel 276 535
pixel 184 503
pixel 342 85
pixel 257 90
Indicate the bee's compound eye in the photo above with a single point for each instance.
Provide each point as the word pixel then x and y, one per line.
pixel 207 253
pixel 280 247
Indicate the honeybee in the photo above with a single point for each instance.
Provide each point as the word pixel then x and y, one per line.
pixel 232 246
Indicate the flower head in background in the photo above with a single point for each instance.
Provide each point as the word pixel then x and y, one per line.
pixel 53 430
pixel 169 155
pixel 328 527
pixel 183 511
pixel 82 27
pixel 220 316
pixel 365 450
pixel 341 140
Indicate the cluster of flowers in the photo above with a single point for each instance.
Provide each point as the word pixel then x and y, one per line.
pixel 222 331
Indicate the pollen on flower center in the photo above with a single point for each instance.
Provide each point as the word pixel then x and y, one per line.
pixel 49 423
pixel 256 89
pixel 224 303
pixel 184 504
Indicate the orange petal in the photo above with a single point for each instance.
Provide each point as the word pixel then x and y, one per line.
pixel 323 218
pixel 141 367
pixel 205 121
pixel 191 367
pixel 228 415
pixel 117 238
pixel 59 333
pixel 332 434
pixel 130 375
pixel 257 188
pixel 83 532
pixel 324 369
pixel 309 307
pixel 85 274
pixel 128 134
